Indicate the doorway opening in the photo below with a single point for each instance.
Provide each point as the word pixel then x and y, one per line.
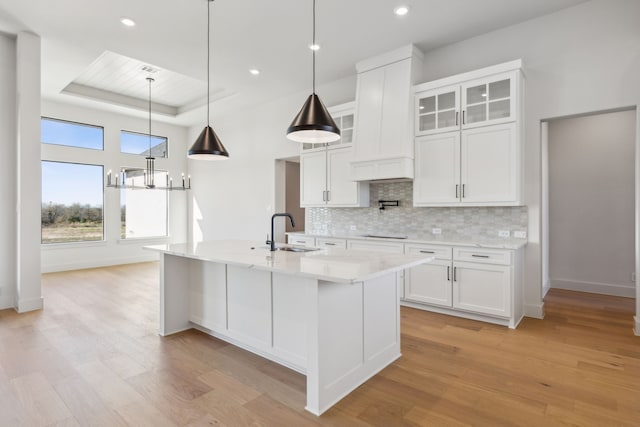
pixel 589 203
pixel 287 195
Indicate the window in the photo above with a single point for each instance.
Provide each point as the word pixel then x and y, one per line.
pixel 143 212
pixel 138 143
pixel 60 132
pixel 72 201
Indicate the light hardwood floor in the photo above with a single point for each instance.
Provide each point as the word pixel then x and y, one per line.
pixel 92 357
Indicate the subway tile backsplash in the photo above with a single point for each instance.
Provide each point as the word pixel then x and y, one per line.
pixel 455 222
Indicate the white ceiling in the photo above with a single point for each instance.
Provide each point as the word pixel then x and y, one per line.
pixel 269 35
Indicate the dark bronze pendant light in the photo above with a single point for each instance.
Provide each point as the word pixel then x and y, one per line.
pixel 313 124
pixel 208 146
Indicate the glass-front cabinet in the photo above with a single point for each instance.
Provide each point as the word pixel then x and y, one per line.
pixel 478 102
pixel 488 101
pixel 437 111
pixel 344 116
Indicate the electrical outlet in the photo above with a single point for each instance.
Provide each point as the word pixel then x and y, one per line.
pixel 504 233
pixel 436 231
pixel 520 234
pixel 353 228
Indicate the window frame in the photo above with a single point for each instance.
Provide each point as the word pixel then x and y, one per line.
pixel 103 240
pixel 166 140
pixel 74 123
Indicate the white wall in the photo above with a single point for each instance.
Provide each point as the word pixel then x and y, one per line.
pixel 113 250
pixel 592 204
pixel 578 60
pixel 8 172
pixel 234 199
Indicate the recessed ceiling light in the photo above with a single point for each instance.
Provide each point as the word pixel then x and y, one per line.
pixel 314 46
pixel 254 71
pixel 128 22
pixel 401 10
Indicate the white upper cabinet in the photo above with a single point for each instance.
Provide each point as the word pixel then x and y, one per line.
pixel 468 139
pixel 325 178
pixel 489 101
pixel 383 148
pixel 437 111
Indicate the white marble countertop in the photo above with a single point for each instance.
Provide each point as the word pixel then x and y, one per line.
pixel 335 265
pixel 477 242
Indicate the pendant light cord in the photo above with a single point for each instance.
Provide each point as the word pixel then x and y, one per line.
pixel 313 44
pixel 208 56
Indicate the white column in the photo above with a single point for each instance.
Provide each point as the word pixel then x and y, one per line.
pixel 28 289
pixel 8 171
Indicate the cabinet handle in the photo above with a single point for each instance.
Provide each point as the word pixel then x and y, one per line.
pixel 457 113
pixel 454 274
pixel 324 195
pixel 328 195
pixel 329 244
pixel 457 185
pixel 463 190
pixel 427 252
pixel 300 241
pixel 463 117
pixel 448 270
pixel 479 256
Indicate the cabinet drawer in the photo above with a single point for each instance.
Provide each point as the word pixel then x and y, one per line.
pixel 297 239
pixel 396 248
pixel 481 255
pixel 327 242
pixel 439 252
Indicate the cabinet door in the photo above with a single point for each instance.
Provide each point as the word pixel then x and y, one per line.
pixel 429 283
pixel 482 288
pixel 369 113
pixel 437 170
pixel 342 190
pixel 489 101
pixel 437 111
pixel 345 122
pixel 313 178
pixel 395 133
pixel 489 164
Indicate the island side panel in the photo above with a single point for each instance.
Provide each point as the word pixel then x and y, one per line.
pixel 290 296
pixel 354 333
pixel 174 295
pixel 208 294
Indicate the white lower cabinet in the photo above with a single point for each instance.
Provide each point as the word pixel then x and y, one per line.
pixel 478 283
pixel 330 242
pixel 429 283
pixel 482 288
pixel 301 240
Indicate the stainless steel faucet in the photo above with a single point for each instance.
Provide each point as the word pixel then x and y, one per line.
pixel 273 240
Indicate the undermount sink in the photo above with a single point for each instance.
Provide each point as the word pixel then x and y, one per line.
pixel 296 249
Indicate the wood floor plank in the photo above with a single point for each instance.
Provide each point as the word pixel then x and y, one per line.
pixel 93 357
pixel 41 403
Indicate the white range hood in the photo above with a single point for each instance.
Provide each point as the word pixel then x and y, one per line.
pixel 383 146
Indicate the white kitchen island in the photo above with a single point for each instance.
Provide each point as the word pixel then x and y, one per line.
pixel 331 314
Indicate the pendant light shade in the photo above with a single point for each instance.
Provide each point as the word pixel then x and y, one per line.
pixel 208 146
pixel 313 124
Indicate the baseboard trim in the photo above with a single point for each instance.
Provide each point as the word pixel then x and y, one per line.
pixel 545 288
pixel 534 310
pixel 6 301
pixel 97 264
pixel 636 329
pixel 31 304
pixel 595 287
